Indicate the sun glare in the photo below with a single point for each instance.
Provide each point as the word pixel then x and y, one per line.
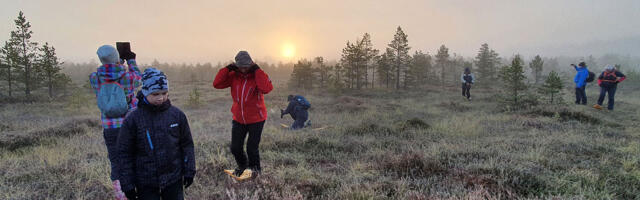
pixel 288 50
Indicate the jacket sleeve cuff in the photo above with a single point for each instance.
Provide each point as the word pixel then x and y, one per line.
pixel 127 186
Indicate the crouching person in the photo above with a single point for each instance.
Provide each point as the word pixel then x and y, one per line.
pixel 155 144
pixel 298 109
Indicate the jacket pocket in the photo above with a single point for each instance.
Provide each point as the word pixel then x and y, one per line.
pixel 260 110
pixel 174 130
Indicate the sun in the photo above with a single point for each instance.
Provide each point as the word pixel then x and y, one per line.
pixel 288 50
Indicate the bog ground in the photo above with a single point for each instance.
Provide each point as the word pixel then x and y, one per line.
pixel 378 144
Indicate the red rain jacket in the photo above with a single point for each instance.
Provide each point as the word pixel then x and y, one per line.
pixel 247 91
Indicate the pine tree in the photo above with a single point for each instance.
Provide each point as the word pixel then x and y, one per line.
pixel 442 62
pixel 368 53
pixel 383 67
pixel 486 62
pixel 27 52
pixel 323 71
pixel 302 75
pixel 419 69
pixel 356 57
pixel 337 80
pixel 48 62
pixel 536 68
pixel 552 87
pixel 10 61
pixel 400 47
pixel 457 67
pixel 349 62
pixel 513 78
pixel 62 82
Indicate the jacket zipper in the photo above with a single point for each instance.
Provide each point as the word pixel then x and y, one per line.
pixel 242 101
pixel 237 99
pixel 149 139
pixel 248 93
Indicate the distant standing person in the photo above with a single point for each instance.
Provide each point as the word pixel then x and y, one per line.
pixel 248 85
pixel 581 82
pixel 111 80
pixel 298 109
pixel 155 145
pixel 467 79
pixel 608 81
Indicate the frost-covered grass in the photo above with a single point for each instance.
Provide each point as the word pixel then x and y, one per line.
pixel 376 145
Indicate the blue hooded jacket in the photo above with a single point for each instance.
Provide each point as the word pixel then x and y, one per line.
pixel 581 77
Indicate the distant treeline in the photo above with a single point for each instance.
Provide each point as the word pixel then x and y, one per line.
pixel 79 72
pixel 362 66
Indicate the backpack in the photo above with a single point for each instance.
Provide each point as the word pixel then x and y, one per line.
pixel 591 77
pixel 112 101
pixel 302 101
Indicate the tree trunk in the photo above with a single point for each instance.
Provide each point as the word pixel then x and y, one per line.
pixel 397 75
pixel 27 70
pixel 50 85
pixel 358 76
pixel 10 81
pixel 373 78
pixel 366 76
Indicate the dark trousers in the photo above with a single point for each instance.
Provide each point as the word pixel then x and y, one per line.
pixel 612 93
pixel 238 134
pixel 171 192
pixel 466 90
pixel 300 118
pixel 581 95
pixel 110 139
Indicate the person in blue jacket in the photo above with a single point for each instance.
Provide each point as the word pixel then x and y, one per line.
pixel 581 82
pixel 298 109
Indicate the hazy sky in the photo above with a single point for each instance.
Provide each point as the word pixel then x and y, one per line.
pixel 206 30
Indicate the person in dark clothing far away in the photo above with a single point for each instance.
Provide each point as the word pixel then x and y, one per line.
pixel 581 82
pixel 114 79
pixel 467 79
pixel 248 85
pixel 155 145
pixel 298 109
pixel 608 81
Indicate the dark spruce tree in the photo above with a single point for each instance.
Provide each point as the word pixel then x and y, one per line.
pixel 49 66
pixel 513 79
pixel 486 63
pixel 9 64
pixel 442 63
pixel 536 68
pixel 27 50
pixel 552 87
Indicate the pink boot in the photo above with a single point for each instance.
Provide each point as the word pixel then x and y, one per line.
pixel 118 191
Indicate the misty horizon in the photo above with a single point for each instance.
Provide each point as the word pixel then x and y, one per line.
pixel 285 31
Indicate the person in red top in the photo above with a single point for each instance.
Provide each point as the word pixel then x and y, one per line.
pixel 608 82
pixel 248 85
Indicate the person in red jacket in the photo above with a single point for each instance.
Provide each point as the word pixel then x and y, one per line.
pixel 248 85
